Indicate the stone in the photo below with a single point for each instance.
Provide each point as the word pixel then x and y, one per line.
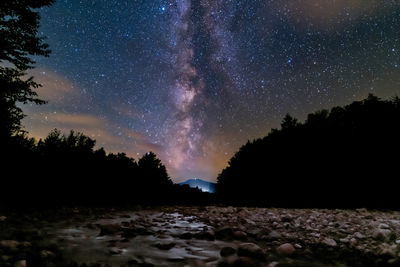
pixel 381 234
pixel 239 235
pixel 273 235
pixel 225 233
pixel 45 254
pixel 286 249
pixel 206 235
pixel 388 251
pixel 383 226
pixel 20 263
pixel 3 218
pixel 9 245
pixel 298 246
pixel 251 250
pixel 359 235
pixel 227 251
pixel 114 251
pixel 329 242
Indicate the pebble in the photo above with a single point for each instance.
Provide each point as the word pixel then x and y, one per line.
pixel 298 246
pixel 329 242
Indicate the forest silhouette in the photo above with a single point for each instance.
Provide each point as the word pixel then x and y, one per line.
pixel 343 158
pixel 67 170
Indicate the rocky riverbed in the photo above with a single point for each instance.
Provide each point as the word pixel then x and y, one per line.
pixel 200 236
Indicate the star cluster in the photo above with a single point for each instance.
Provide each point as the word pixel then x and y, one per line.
pixel 193 80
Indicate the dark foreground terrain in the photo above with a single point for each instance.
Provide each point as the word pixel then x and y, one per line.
pixel 200 236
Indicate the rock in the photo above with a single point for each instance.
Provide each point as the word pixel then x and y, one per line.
pixel 359 235
pixel 225 233
pixel 381 234
pixel 3 218
pixel 251 250
pixel 165 246
pixel 274 235
pixel 45 254
pixel 239 235
pixel 397 241
pixel 298 246
pixel 5 257
pixel 383 226
pixel 388 251
pixel 20 263
pixel 245 262
pixel 286 249
pixel 114 251
pixel 109 229
pixel 227 251
pixel 206 235
pixel 329 242
pixel 9 245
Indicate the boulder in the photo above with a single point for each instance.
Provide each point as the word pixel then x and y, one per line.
pixel 286 249
pixel 239 235
pixel 251 250
pixel 225 233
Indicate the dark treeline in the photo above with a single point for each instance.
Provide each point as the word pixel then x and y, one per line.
pixel 67 170
pixel 347 157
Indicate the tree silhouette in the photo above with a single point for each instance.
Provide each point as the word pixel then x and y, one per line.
pixel 344 157
pixel 19 25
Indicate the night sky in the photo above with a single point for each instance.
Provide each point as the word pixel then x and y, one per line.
pixel 193 80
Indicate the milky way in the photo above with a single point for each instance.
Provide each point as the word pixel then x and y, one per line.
pixel 193 80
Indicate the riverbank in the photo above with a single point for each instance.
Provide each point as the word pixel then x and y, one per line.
pixel 200 236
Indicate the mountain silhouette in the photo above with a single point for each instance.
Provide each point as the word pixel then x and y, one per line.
pixel 204 186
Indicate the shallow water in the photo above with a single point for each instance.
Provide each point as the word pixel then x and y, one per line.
pixel 80 243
